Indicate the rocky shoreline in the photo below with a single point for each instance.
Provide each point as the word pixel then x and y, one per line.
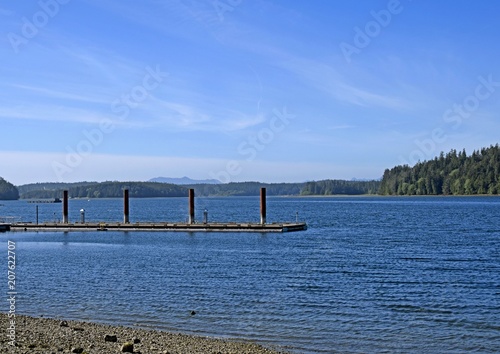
pixel 46 336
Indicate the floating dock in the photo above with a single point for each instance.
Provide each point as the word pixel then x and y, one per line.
pixel 126 225
pixel 186 227
pixel 44 201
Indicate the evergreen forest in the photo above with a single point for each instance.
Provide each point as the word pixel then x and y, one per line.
pixel 8 191
pixel 453 173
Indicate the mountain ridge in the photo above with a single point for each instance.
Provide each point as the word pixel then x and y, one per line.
pixel 183 180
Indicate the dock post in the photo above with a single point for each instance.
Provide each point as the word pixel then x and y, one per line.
pixel 65 207
pixel 205 216
pixel 191 206
pixel 262 206
pixel 125 207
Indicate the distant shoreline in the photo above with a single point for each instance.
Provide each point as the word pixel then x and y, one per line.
pixel 290 196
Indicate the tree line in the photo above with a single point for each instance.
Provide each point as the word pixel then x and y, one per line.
pixel 333 187
pixel 452 174
pixel 50 186
pixel 105 190
pixel 158 189
pixel 246 189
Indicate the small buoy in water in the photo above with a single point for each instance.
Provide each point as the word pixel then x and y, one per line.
pixel 193 313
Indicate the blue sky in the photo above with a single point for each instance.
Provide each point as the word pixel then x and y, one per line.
pixel 242 90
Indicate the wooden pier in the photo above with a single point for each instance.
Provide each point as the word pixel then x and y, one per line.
pixel 185 227
pixel 126 225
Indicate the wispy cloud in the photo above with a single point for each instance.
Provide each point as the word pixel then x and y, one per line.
pixel 193 117
pixel 173 17
pixel 177 114
pixel 43 91
pixel 51 113
pixel 240 121
pixel 104 64
pixel 327 79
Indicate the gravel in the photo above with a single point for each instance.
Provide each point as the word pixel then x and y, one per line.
pixel 44 335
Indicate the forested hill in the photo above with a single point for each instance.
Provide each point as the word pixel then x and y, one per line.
pixel 326 187
pixel 246 189
pixel 332 187
pixel 450 174
pixel 104 190
pixel 8 191
pixel 48 188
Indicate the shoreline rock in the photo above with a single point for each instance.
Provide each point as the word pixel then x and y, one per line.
pixel 44 335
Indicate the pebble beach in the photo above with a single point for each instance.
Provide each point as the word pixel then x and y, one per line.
pixel 45 336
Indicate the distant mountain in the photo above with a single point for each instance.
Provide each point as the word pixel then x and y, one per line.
pixel 184 180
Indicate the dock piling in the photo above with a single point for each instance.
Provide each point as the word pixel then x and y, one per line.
pixel 65 207
pixel 262 206
pixel 126 206
pixel 191 206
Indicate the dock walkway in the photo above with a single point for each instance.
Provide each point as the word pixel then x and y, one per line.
pixel 214 227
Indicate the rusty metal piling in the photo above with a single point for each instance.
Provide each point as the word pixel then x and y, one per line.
pixel 65 207
pixel 262 206
pixel 191 206
pixel 126 207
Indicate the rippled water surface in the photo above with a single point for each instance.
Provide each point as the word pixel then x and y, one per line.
pixel 370 275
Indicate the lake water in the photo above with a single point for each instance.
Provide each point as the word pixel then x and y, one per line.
pixel 370 275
